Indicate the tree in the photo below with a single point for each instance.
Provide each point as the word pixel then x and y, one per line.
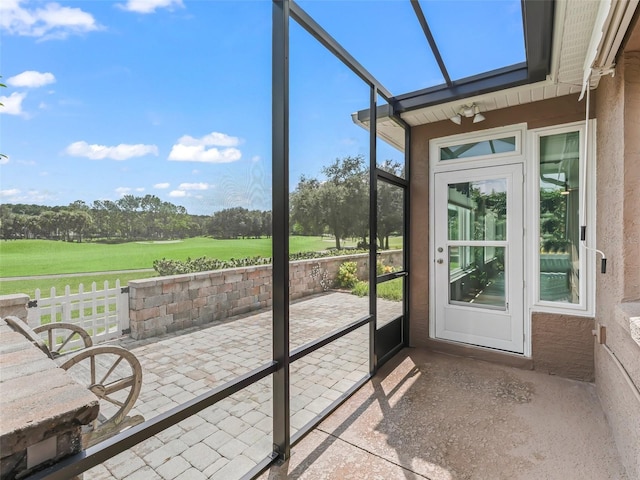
pixel 340 203
pixel 390 208
pixel 306 208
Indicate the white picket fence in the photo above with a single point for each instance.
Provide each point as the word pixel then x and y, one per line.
pixel 104 314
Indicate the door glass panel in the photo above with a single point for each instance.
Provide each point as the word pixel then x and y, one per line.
pixel 390 226
pixel 478 210
pixel 390 295
pixel 477 276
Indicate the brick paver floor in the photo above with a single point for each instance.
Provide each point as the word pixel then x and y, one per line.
pixel 228 439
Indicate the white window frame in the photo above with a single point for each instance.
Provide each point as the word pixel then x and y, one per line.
pixel 586 307
pixel 437 165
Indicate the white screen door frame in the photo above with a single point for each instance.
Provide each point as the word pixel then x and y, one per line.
pixel 478 280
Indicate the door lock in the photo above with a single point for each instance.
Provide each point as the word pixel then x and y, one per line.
pixel 440 260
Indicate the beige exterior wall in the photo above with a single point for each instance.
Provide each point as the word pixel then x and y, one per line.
pixel 617 362
pixel 555 350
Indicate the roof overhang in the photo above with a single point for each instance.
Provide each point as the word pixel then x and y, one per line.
pixel 557 57
pixel 537 19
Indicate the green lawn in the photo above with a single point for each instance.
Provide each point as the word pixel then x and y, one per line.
pixel 45 257
pixel 28 287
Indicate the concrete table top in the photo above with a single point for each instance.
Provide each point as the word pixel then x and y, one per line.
pixel 38 400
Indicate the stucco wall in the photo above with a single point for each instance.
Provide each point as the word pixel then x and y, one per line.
pixel 552 343
pixel 617 363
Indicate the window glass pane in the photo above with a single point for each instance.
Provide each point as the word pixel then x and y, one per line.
pixel 559 218
pixel 138 180
pixel 478 210
pixel 477 276
pixel 329 191
pixel 348 21
pixel 320 378
pixel 475 149
pixel 489 33
pixel 225 441
pixel 389 144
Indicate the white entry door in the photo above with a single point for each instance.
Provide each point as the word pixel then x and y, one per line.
pixel 478 254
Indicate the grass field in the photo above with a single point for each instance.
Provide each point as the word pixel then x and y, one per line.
pixel 44 257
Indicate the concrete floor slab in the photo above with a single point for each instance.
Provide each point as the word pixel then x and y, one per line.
pixel 428 415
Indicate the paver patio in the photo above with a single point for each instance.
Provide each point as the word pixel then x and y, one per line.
pixel 228 439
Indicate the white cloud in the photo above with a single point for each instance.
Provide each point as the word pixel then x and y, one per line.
pixel 256 158
pixel 177 193
pixel 16 195
pixel 119 152
pixel 193 186
pixel 12 105
pixel 52 21
pixel 190 149
pixel 162 185
pixel 31 79
pixel 149 6
pixel 216 139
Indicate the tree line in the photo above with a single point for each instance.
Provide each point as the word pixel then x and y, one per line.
pixel 337 205
pixel 127 219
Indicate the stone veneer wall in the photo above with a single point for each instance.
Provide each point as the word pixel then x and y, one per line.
pixel 165 304
pixel 14 305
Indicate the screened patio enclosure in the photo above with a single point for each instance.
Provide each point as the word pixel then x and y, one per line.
pixel 454 200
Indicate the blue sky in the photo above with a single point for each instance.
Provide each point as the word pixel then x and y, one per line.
pixel 173 98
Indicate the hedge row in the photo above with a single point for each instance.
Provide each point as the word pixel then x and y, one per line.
pixel 203 264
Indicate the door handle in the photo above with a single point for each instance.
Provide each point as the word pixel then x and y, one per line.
pixel 440 260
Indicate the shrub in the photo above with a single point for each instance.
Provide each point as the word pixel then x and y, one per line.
pixel 204 264
pixel 347 275
pixel 361 289
pixel 391 290
pixel 382 269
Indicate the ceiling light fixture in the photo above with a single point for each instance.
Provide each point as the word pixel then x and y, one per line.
pixel 468 111
pixel 477 117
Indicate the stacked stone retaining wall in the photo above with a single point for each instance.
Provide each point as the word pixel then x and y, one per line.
pixel 165 304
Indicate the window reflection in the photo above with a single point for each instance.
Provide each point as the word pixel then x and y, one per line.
pixel 559 222
pixel 475 149
pixel 478 210
pixel 477 276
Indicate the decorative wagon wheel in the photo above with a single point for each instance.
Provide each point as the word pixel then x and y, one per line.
pixel 114 375
pixel 55 342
